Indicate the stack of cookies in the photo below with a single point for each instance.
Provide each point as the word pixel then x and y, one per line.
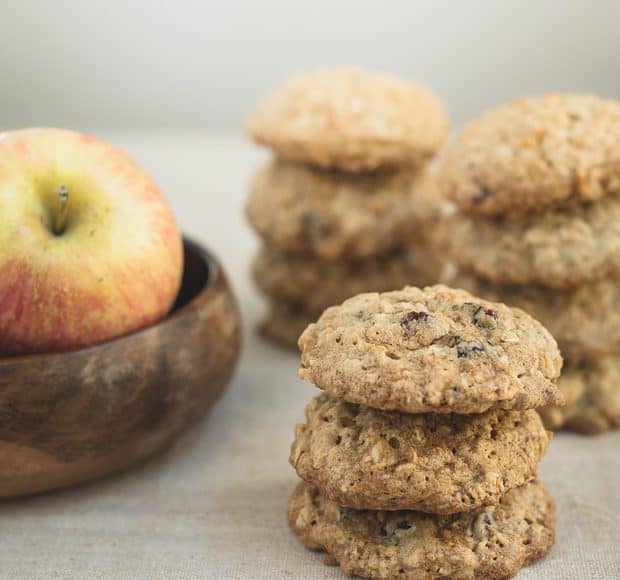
pixel 347 205
pixel 537 182
pixel 420 459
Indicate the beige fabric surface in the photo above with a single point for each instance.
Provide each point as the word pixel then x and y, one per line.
pixel 214 505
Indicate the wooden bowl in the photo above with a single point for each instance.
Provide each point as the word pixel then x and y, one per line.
pixel 70 417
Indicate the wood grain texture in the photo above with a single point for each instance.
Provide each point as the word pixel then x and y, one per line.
pixel 70 417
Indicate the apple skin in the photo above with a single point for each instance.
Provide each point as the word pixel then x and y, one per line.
pixel 114 269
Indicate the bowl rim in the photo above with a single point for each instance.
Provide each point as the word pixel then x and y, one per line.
pixel 214 276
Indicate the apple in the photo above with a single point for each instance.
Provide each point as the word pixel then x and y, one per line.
pixel 89 249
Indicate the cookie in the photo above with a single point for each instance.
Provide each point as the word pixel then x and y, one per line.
pixel 592 395
pixel 584 320
pixel 488 543
pixel 316 284
pixel 558 249
pixel 535 153
pixel 363 458
pixel 350 119
pixel 433 350
pixel 285 322
pixel 334 215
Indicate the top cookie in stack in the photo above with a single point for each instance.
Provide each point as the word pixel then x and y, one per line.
pixel 537 182
pixel 350 120
pixel 348 204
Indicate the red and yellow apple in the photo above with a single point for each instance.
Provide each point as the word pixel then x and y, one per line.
pixel 89 249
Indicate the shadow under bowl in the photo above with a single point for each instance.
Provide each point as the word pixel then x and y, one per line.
pixel 71 417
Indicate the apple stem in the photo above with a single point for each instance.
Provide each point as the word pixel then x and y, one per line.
pixel 61 216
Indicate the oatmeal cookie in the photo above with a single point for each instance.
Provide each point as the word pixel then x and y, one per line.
pixel 335 215
pixel 364 458
pixel 431 350
pixel 350 119
pixel 557 249
pixel 488 543
pixel 535 153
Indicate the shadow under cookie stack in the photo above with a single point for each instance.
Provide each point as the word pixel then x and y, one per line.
pixel 420 458
pixel 347 205
pixel 537 182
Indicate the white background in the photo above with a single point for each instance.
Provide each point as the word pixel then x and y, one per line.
pixel 150 64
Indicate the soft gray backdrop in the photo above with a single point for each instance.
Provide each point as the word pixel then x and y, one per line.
pixel 151 64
